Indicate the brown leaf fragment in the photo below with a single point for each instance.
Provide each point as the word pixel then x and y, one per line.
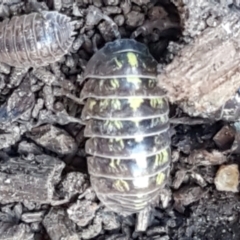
pixel 205 158
pixel 227 178
pixel 187 195
pixel 179 178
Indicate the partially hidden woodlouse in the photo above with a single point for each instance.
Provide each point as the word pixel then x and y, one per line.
pixel 35 39
pixel 127 126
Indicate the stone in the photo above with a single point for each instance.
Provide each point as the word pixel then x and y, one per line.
pixel 227 178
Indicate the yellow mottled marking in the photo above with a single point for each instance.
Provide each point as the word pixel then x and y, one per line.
pixel 103 104
pixel 135 103
pixel 116 104
pixel 111 124
pixel 121 185
pixel 163 118
pixel 161 158
pixel 120 141
pixel 160 178
pixel 118 161
pixel 92 103
pixel 151 83
pixel 132 59
pixel 114 163
pixel 118 124
pixel 155 102
pixel 118 63
pixel 114 83
pixel 134 80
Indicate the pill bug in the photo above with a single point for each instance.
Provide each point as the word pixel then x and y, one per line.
pixel 127 126
pixel 35 39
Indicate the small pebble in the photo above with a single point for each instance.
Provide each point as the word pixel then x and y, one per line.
pixel 227 178
pixel 225 137
pixel 119 20
pixel 135 19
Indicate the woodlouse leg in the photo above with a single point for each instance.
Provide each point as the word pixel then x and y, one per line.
pixel 143 220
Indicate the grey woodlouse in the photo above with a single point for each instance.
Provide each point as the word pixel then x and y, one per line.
pixel 127 123
pixel 35 39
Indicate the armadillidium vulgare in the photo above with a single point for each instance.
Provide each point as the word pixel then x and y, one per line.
pixel 36 39
pixel 127 123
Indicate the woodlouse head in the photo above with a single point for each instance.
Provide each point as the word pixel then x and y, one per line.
pixel 120 58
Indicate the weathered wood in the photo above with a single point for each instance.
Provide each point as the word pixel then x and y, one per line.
pixel 31 180
pixel 205 74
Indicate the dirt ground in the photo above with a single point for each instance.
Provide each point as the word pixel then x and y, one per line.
pixel 45 192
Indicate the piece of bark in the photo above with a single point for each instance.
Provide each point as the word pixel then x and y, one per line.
pixel 205 74
pixel 30 180
pixel 197 15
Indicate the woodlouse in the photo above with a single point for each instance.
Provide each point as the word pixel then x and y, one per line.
pixel 35 39
pixel 127 123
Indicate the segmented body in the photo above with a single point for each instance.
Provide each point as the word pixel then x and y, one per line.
pixel 36 39
pixel 127 124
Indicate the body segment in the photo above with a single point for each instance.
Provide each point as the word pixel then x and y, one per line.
pixel 126 117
